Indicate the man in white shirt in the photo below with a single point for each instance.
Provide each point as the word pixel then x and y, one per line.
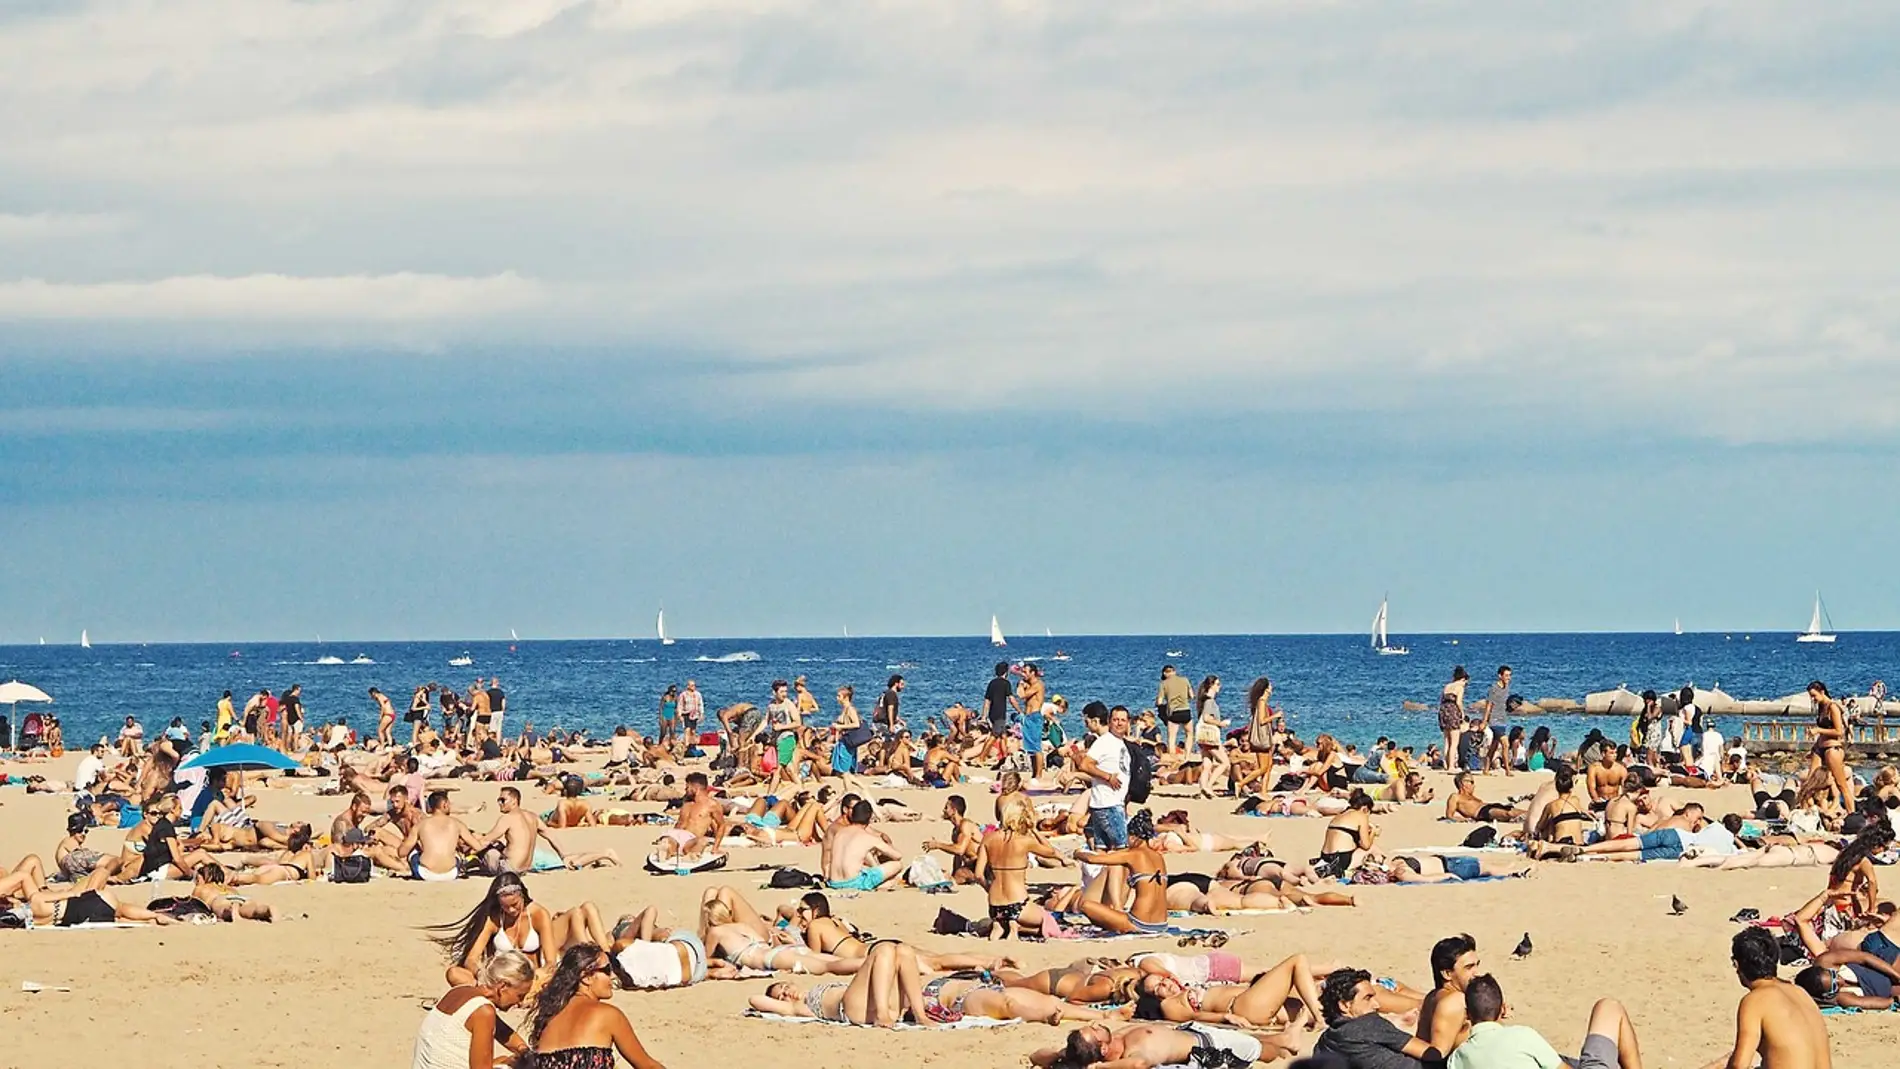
pixel 1107 763
pixel 92 768
pixel 1491 1045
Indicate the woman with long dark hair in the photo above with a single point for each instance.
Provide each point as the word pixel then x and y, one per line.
pixel 1451 714
pixel 574 1027
pixel 1210 734
pixel 1830 741
pixel 507 918
pixel 1852 875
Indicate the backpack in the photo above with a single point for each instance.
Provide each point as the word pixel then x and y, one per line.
pixel 349 868
pixel 1142 765
pixel 790 879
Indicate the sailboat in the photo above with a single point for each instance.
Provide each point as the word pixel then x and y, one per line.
pixel 512 637
pixel 1678 625
pixel 847 630
pixel 660 625
pixel 1379 643
pixel 85 643
pixel 1814 633
pixel 1046 633
pixel 996 633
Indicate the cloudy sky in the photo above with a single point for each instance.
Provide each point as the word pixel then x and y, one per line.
pixel 419 318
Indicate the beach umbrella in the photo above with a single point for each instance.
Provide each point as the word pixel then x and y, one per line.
pixel 241 757
pixel 13 692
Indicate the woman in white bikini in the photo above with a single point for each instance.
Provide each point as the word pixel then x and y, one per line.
pixel 508 919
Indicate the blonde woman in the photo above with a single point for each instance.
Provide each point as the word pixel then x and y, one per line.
pixel 1210 735
pixel 461 1030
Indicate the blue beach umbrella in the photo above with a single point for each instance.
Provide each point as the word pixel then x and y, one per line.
pixel 240 756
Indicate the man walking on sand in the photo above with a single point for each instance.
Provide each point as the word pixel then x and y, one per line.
pixel 1174 701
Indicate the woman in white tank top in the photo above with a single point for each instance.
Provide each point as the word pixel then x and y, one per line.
pixel 452 1033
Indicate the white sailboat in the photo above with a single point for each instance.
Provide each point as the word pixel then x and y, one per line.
pixel 1678 625
pixel 1815 633
pixel 1379 643
pixel 847 630
pixel 996 633
pixel 85 642
pixel 1046 633
pixel 512 637
pixel 660 625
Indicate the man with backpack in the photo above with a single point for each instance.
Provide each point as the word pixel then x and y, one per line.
pixel 1108 764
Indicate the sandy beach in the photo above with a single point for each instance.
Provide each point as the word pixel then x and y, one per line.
pixel 343 978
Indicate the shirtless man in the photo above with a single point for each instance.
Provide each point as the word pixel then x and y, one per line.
pixel 860 859
pixel 1442 1022
pixel 435 845
pixel 701 824
pixel 514 843
pixel 351 819
pixel 964 839
pixel 1139 1046
pixel 1465 805
pixel 1606 778
pixel 1665 842
pixel 1776 1021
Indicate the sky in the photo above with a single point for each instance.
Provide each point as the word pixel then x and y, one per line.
pixel 409 319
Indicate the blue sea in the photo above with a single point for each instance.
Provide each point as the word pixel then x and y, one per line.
pixel 1323 682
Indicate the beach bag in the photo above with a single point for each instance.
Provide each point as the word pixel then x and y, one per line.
pixel 788 879
pixel 349 868
pixel 1260 735
pixel 1481 838
pixel 841 759
pixel 950 922
pixel 1142 764
pixel 1207 733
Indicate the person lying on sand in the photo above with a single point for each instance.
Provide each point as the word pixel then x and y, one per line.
pixel 730 928
pixel 1153 1044
pixel 1193 892
pixel 298 862
pixel 1449 868
pixel 213 889
pixel 1465 806
pixel 1285 994
pixel 886 991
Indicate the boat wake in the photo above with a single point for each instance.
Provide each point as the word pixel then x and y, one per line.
pixel 742 657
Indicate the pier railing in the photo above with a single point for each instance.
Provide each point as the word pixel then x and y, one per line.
pixel 1790 732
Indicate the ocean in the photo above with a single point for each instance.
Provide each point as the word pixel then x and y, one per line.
pixel 1323 682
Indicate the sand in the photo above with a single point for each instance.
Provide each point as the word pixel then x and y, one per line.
pixel 345 975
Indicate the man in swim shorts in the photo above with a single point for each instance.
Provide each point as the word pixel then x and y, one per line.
pixel 859 858
pixel 1193 1043
pixel 436 845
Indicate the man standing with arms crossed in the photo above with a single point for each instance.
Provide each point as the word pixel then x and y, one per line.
pixel 1174 703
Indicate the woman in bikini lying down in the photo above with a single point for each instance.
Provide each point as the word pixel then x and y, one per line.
pixel 1193 892
pixel 211 889
pixel 1288 992
pixel 827 934
pixel 508 918
pixel 730 928
pixel 886 991
pixel 296 864
pixel 1085 982
pixel 93 904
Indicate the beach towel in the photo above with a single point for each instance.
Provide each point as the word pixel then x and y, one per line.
pixel 967 1022
pixel 684 866
pixel 1180 915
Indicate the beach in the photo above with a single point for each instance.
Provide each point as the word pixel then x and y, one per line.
pixel 344 976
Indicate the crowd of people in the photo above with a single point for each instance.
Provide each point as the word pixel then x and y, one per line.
pixel 744 775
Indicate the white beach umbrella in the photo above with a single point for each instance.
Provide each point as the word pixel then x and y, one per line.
pixel 13 692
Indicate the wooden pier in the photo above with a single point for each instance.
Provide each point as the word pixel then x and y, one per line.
pixel 1872 737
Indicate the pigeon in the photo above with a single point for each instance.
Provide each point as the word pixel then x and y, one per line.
pixel 1523 947
pixel 1677 906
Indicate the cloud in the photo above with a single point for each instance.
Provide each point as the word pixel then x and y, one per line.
pixel 271 298
pixel 1133 210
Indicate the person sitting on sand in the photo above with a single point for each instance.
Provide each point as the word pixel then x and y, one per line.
pixel 507 918
pixel 463 1027
pixel 1358 1035
pixel 965 839
pixel 75 859
pixel 1154 1044
pixel 1268 999
pixel 1347 835
pixel 886 990
pixel 1605 776
pixel 1442 1022
pixel 1566 817
pixel 519 842
pixel 157 852
pixel 573 1025
pixel 435 846
pixel 1147 880
pixel 1609 1040
pixel 1465 806
pixel 857 858
pixel 1777 1025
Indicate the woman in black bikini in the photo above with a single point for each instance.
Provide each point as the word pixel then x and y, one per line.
pixel 1348 834
pixel 1567 819
pixel 295 864
pixel 574 1026
pixel 1002 863
pixel 1830 742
